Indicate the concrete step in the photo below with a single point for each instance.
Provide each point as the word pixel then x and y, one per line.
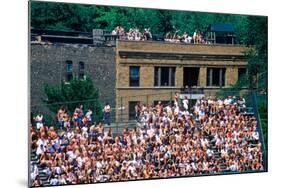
pixel 43 176
pixel 34 159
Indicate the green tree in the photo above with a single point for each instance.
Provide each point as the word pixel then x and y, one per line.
pixel 257 36
pixel 77 17
pixel 253 33
pixel 73 94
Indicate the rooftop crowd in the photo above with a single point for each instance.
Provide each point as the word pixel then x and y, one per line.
pixel 137 35
pixel 169 141
pixel 132 34
pixel 196 38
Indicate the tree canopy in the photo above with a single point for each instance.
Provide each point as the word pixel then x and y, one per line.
pixel 73 94
pixel 249 30
pixel 77 17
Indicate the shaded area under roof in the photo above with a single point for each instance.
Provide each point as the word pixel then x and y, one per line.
pixel 220 27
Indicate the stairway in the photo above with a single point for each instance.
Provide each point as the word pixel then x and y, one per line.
pixel 213 147
pixel 217 154
pixel 43 177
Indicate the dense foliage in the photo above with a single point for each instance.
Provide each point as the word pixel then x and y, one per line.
pixel 76 17
pixel 249 30
pixel 73 94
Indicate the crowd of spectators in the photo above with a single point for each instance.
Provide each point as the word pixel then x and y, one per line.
pixel 132 34
pixel 79 118
pixel 169 141
pixel 135 34
pixel 196 38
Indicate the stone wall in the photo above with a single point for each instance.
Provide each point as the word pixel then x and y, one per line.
pixel 48 66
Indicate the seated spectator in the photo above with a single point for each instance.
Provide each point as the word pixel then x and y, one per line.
pixel 147 34
pixel 37 182
pixel 34 171
pixel 186 38
pixel 168 142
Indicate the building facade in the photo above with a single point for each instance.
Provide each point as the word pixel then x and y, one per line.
pixel 51 63
pixel 127 72
pixel 149 71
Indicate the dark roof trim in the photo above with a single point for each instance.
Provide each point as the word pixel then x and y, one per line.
pixel 180 56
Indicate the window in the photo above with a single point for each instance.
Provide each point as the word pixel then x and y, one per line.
pixel 191 76
pixel 134 76
pixel 81 70
pixel 164 76
pixel 241 73
pixel 215 77
pixel 69 70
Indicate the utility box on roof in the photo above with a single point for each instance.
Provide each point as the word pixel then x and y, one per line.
pixel 219 33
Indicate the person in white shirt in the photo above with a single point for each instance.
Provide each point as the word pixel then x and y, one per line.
pixel 89 116
pixel 255 135
pixel 34 171
pixel 40 149
pixel 195 37
pixel 106 114
pixel 185 103
pixel 39 121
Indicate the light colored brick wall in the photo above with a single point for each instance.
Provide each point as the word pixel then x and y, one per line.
pixel 231 75
pixel 179 76
pixel 146 76
pixel 184 48
pixel 147 93
pixel 203 77
pixel 122 76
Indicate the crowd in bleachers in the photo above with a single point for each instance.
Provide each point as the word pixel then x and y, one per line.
pixel 173 140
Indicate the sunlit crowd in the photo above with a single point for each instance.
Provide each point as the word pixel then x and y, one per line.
pixel 172 140
pixel 132 34
pixel 196 38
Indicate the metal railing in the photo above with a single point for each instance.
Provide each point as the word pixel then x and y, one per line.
pixel 260 130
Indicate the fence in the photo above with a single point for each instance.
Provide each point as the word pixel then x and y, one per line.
pixel 126 104
pixel 124 111
pixel 258 99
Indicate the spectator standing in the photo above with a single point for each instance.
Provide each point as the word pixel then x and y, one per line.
pixel 60 116
pixel 106 114
pixel 195 38
pixel 147 34
pixel 39 121
pixel 89 116
pixel 176 99
pixel 137 111
pixel 185 103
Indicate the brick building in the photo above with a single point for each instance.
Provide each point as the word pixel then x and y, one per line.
pixel 126 72
pixel 150 71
